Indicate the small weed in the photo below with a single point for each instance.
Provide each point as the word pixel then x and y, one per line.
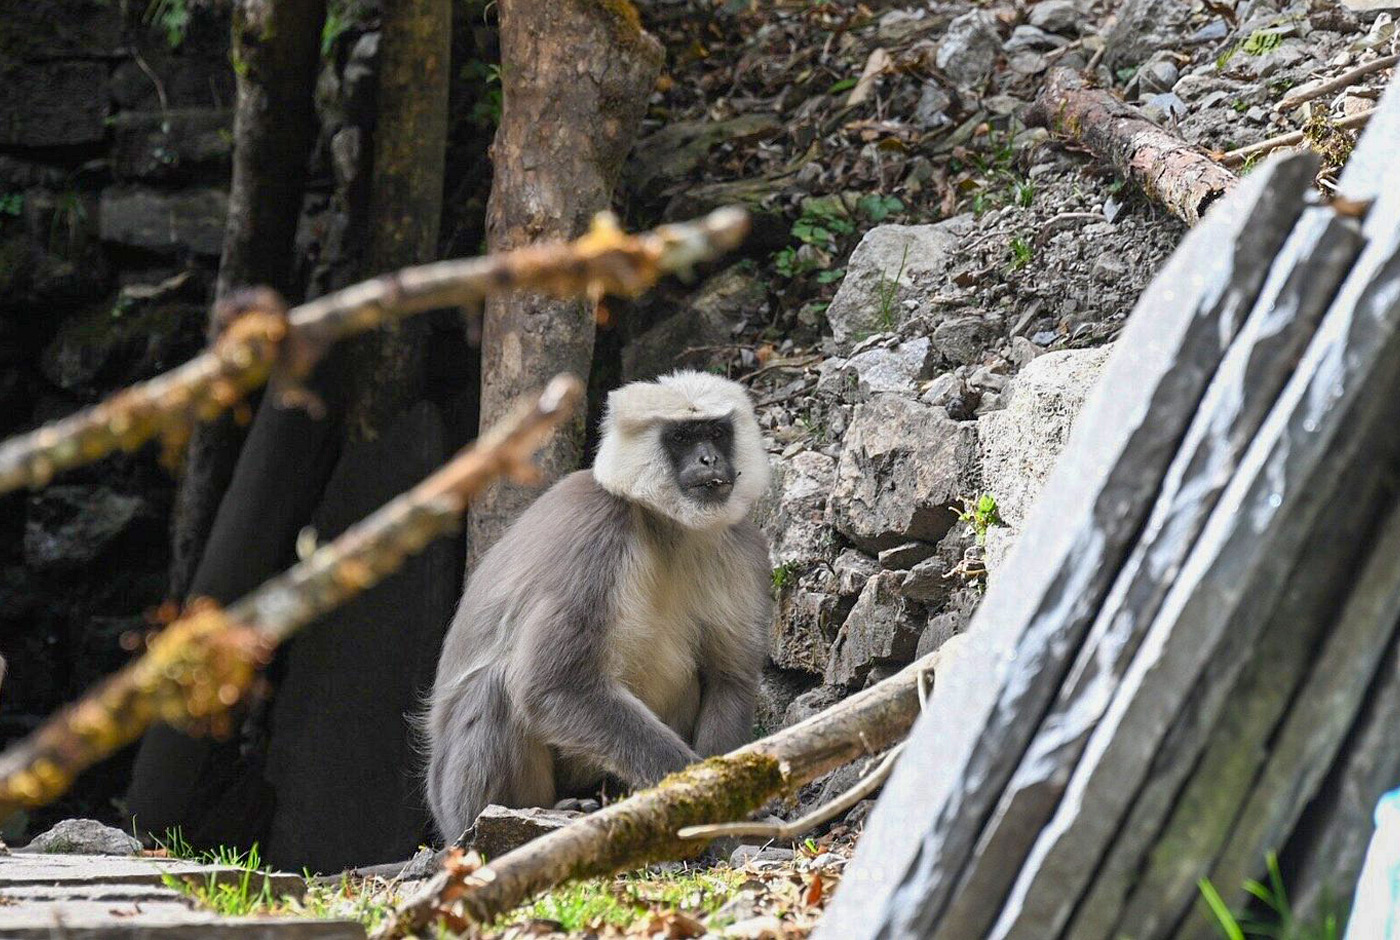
pixel 250 893
pixel 486 113
pixel 782 576
pixel 1259 42
pixel 11 204
pixel 1021 253
pixel 888 291
pixel 845 84
pixel 172 16
pixel 878 208
pixel 340 16
pixel 980 516
pixel 1240 106
pixel 819 231
pixel 1279 922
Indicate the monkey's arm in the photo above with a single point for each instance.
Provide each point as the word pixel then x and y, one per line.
pixel 587 713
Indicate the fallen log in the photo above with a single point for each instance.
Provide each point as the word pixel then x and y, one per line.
pixel 1168 169
pixel 644 827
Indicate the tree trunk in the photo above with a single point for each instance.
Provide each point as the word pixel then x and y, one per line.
pixel 576 75
pixel 276 47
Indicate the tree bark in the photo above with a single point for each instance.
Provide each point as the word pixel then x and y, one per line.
pixel 1167 168
pixel 576 75
pixel 405 209
pixel 275 50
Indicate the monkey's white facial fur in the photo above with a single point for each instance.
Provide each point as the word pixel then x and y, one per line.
pixel 633 462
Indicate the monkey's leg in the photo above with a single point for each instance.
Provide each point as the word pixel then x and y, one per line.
pixel 726 715
pixel 483 756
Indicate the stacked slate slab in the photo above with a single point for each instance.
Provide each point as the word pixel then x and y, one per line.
pixel 1189 661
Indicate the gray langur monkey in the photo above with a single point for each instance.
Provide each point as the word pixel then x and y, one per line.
pixel 618 628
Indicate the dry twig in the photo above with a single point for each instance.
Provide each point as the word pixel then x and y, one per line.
pixel 1348 78
pixel 642 827
pixel 265 340
pixel 1291 139
pixel 200 666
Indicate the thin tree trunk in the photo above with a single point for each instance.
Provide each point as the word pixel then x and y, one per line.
pixel 410 153
pixel 576 75
pixel 276 47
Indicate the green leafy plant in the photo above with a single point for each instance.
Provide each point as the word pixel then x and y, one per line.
pixel 1279 921
pixel 980 515
pixel 11 204
pixel 340 16
pixel 486 112
pixel 249 893
pixel 782 576
pixel 1259 42
pixel 171 16
pixel 878 208
pixel 822 226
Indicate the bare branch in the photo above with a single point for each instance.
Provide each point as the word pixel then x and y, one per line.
pixel 202 665
pixel 263 340
pixel 1348 78
pixel 1291 139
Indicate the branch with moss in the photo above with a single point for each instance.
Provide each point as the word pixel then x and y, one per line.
pixel 264 341
pixel 197 669
pixel 643 828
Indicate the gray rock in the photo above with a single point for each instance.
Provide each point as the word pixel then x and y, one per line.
pixel 962 340
pixel 897 369
pixel 84 837
pixel 499 828
pixel 189 220
pixel 707 319
pixel 171 145
pixel 1164 108
pixel 1142 28
pixel 72 524
pixel 812 703
pixel 932 110
pixel 796 524
pixel 347 155
pixel 1021 442
pixel 939 630
pixel 969 49
pixel 880 630
pixel 925 582
pixel 53 104
pixel 887 267
pixel 1108 268
pixel 1158 74
pixel 902 466
pixel 1057 16
pixel 853 568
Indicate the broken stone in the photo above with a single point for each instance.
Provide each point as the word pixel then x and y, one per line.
pixel 708 319
pixel 52 104
pixel 1163 108
pixel 932 110
pixel 890 263
pixel 903 465
pixel 745 854
pixel 925 582
pixel 962 340
pixel 1033 38
pixel 903 557
pixel 897 369
pixel 499 828
pixel 84 837
pixel 853 568
pixel 1057 16
pixel 969 49
pixel 878 631
pixel 796 524
pixel 806 620
pixel 810 703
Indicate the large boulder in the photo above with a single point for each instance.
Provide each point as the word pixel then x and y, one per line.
pixel 903 468
pixel 1021 442
pixel 807 618
pixel 891 264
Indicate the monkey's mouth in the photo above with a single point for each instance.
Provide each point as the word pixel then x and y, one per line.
pixel 711 491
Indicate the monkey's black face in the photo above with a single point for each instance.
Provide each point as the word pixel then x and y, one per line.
pixel 702 458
